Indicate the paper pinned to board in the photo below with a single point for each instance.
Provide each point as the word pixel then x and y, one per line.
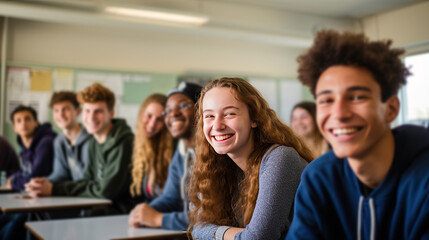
pixel 63 79
pixel 40 80
pixel 18 79
pixel 113 81
pixel 19 93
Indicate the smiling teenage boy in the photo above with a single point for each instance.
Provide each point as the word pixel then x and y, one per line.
pixel 71 146
pixel 170 210
pixel 374 184
pixel 109 154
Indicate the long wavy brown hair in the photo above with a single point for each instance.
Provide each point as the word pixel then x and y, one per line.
pixel 150 153
pixel 215 183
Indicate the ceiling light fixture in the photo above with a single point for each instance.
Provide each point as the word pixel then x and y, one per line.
pixel 158 14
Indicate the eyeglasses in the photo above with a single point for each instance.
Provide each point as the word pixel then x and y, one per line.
pixel 182 107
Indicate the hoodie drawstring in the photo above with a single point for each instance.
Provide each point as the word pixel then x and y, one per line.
pixel 371 208
pixel 359 223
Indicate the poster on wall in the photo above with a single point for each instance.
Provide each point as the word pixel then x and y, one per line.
pixel 18 80
pixel 23 90
pixel 137 87
pixel 63 79
pixel 40 80
pixel 113 81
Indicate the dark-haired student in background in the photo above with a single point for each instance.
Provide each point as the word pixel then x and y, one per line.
pixel 36 143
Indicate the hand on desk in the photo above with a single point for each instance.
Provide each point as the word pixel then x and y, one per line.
pixel 38 187
pixel 8 183
pixel 143 214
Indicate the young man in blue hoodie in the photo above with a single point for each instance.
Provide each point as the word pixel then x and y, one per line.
pixel 375 182
pixel 170 210
pixel 36 143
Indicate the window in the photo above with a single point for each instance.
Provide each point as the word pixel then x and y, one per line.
pixel 415 95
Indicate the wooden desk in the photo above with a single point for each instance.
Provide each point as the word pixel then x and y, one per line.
pixel 97 228
pixel 14 202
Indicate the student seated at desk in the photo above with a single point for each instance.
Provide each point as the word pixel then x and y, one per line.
pixel 153 149
pixel 9 162
pixel 170 210
pixel 375 182
pixel 248 166
pixel 71 146
pixel 107 174
pixel 36 143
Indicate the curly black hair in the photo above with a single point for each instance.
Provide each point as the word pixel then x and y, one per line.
pixel 332 48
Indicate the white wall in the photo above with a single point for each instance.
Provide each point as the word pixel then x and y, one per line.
pixel 407 27
pixel 94 47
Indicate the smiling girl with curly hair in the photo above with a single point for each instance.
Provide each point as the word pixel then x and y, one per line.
pixel 248 165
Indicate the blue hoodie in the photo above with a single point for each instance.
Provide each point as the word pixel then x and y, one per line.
pixel 330 205
pixel 70 161
pixel 37 159
pixel 173 201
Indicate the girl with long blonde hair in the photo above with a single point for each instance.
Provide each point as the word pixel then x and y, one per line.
pixel 248 165
pixel 153 149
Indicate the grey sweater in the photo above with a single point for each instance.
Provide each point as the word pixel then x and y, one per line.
pixel 70 162
pixel 279 177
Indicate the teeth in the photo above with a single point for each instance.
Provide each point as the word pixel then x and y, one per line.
pixel 177 123
pixel 223 137
pixel 343 131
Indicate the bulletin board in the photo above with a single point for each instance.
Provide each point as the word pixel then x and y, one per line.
pixel 33 85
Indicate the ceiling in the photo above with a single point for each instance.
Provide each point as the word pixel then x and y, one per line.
pixel 332 8
pixel 327 8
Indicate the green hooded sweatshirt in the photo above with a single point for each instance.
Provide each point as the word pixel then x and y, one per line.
pixel 108 174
